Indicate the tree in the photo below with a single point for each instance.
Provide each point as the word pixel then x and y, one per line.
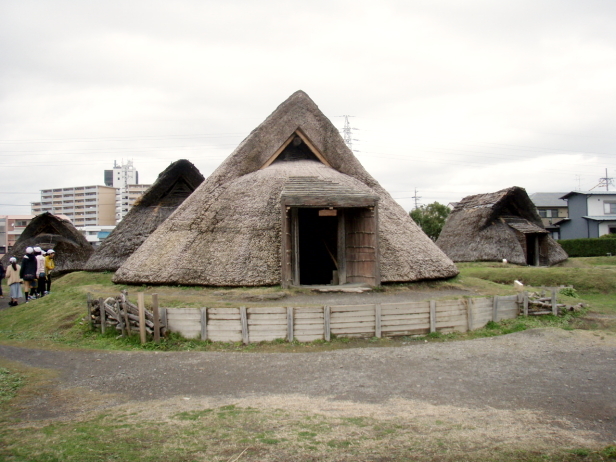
pixel 431 218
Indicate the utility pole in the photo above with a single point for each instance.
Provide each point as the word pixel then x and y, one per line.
pixel 606 181
pixel 416 198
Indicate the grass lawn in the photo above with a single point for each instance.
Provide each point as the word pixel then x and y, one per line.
pixel 195 431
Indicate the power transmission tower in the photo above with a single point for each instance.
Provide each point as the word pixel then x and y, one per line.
pixel 606 181
pixel 416 198
pixel 347 132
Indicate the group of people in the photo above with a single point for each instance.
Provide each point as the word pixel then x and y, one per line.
pixel 34 274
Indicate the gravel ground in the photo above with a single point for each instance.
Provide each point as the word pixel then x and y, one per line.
pixel 568 378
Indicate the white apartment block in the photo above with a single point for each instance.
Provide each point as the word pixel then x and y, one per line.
pixel 83 205
pixel 125 178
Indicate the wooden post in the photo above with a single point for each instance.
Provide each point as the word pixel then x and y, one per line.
pixel 554 303
pixel 125 308
pixel 141 306
pixel 163 317
pixel 90 320
pixel 244 320
pixel 525 303
pixel 290 324
pixel 156 316
pixel 101 308
pixel 377 320
pixel 120 320
pixel 326 326
pixel 495 309
pixel 469 313
pixel 203 323
pixel 432 316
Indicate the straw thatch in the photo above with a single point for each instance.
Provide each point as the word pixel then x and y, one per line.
pixel 229 231
pixel 47 231
pixel 494 226
pixel 171 188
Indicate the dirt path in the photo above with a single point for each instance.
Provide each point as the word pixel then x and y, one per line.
pixel 568 378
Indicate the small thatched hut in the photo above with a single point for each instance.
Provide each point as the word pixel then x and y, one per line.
pixel 291 205
pixel 496 226
pixel 171 188
pixel 47 231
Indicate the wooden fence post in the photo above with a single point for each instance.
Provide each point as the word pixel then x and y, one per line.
pixel 141 306
pixel 326 320
pixel 244 319
pixel 432 316
pixel 525 303
pixel 119 318
pixel 469 313
pixel 90 320
pixel 124 298
pixel 377 320
pixel 101 307
pixel 495 309
pixel 156 316
pixel 554 303
pixel 290 324
pixel 203 323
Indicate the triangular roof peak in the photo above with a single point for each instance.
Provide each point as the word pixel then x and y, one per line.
pixel 297 116
pixel 298 137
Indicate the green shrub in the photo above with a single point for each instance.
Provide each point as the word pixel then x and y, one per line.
pixel 569 292
pixel 589 247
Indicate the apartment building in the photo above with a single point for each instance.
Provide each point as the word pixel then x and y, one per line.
pixel 126 197
pixel 11 227
pixel 83 205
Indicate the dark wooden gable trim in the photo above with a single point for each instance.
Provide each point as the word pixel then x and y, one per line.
pixel 298 132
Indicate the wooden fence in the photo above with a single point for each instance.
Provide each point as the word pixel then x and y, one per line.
pixel 306 324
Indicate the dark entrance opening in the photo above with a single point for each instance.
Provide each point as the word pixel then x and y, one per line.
pixel 531 249
pixel 318 246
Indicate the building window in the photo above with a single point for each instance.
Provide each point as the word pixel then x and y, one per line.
pixel 548 213
pixel 611 230
pixel 609 208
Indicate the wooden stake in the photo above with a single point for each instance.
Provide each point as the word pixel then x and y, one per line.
pixel 244 319
pixel 326 326
pixel 377 320
pixel 525 303
pixel 469 313
pixel 203 323
pixel 101 308
pixel 290 324
pixel 156 316
pixel 495 309
pixel 432 316
pixel 141 306
pixel 554 306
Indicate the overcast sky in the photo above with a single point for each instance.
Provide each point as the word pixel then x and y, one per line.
pixel 450 98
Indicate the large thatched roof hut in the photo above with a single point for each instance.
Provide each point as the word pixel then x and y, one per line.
pixel 496 226
pixel 291 205
pixel 171 188
pixel 51 232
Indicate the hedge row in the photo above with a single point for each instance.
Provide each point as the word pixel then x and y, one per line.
pixel 589 247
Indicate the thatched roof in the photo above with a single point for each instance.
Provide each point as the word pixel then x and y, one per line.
pixel 172 187
pixel 490 227
pixel 229 231
pixel 50 232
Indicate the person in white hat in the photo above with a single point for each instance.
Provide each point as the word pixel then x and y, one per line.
pixel 50 264
pixel 14 281
pixel 40 271
pixel 28 273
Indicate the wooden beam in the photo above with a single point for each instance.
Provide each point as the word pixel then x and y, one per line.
pixel 101 307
